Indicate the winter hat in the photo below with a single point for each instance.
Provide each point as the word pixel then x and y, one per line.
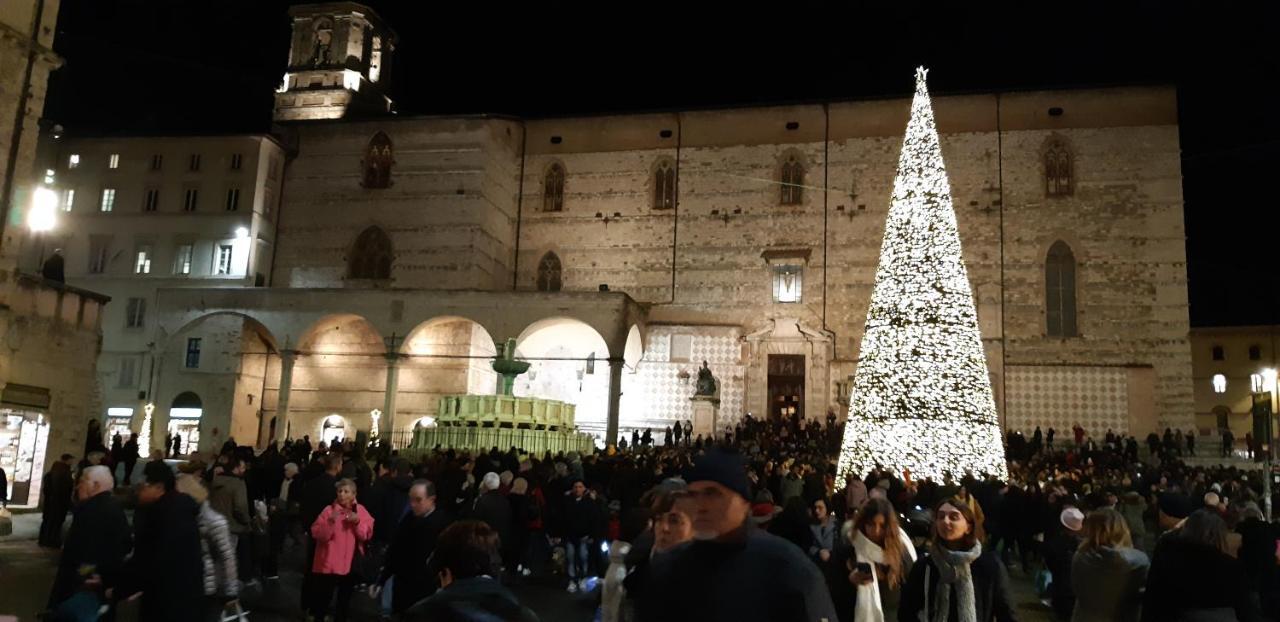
pixel 490 481
pixel 1175 505
pixel 1072 518
pixel 723 468
pixel 764 512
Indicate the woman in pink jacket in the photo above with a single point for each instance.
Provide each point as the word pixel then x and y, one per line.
pixel 340 530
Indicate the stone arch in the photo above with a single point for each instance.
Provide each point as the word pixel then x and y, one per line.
pixel 569 362
pixel 371 255
pixel 446 355
pixel 633 352
pixel 340 368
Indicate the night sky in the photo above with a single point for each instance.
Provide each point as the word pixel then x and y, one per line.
pixel 184 66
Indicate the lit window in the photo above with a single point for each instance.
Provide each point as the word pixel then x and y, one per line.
pixel 108 199
pixel 68 200
pixel 193 353
pixel 49 176
pixel 787 283
pixel 113 160
pixel 233 199
pixel 73 161
pixel 142 261
pixel 222 263
pixel 1219 383
pixel 182 261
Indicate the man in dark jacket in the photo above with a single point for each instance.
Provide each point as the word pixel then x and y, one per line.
pixel 56 494
pixel 1058 554
pixel 98 540
pixel 166 566
pixel 492 507
pixel 411 548
pixel 732 571
pixel 466 558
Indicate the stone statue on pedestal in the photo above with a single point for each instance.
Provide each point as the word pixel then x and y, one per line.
pixel 707 384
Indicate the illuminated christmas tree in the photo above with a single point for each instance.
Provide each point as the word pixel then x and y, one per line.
pixel 921 397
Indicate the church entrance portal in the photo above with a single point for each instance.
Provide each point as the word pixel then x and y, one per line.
pixel 786 386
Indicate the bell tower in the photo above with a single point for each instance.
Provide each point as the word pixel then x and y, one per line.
pixel 339 60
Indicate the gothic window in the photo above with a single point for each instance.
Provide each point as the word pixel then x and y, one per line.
pixel 1060 291
pixel 370 256
pixel 792 181
pixel 1058 174
pixel 377 163
pixel 553 189
pixel 322 42
pixel 664 186
pixel 549 273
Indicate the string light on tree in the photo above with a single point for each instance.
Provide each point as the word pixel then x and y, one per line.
pixel 921 399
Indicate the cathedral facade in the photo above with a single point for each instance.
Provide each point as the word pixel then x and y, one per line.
pixel 621 252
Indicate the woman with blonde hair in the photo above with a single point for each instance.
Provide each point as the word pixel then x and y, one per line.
pixel 1107 572
pixel 221 585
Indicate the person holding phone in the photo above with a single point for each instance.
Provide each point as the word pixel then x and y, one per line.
pixel 341 529
pixel 956 581
pixel 867 573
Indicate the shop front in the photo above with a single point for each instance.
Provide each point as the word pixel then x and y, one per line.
pixel 24 437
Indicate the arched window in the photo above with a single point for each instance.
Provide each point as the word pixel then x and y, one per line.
pixel 553 189
pixel 1058 177
pixel 1060 291
pixel 792 181
pixel 322 42
pixel 664 186
pixel 549 273
pixel 377 163
pixel 370 256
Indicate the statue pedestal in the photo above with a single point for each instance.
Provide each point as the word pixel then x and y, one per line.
pixel 706 415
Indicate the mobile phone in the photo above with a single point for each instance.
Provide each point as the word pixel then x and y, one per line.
pixel 864 567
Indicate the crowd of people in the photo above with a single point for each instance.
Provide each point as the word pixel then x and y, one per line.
pixel 751 526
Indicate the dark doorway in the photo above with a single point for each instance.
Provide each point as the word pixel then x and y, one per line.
pixel 786 386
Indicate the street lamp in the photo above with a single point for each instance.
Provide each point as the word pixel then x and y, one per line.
pixel 1264 389
pixel 42 217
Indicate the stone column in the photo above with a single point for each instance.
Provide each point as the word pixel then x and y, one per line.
pixel 283 427
pixel 615 400
pixel 388 424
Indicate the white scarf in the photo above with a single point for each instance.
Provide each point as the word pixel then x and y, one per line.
pixel 869 607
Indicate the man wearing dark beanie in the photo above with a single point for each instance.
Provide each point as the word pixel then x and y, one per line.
pixel 732 570
pixel 166 566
